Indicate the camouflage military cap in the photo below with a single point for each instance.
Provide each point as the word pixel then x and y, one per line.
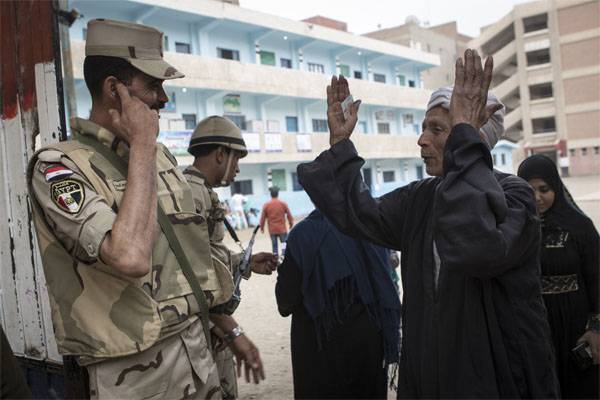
pixel 140 45
pixel 218 130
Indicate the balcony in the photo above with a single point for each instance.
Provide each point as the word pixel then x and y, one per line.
pixel 505 55
pixel 227 75
pixel 513 118
pixel 289 147
pixel 506 87
pixel 292 147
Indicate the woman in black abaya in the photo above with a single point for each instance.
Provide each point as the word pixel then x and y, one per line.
pixel 570 265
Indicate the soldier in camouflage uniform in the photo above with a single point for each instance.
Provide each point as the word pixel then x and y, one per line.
pixel 217 145
pixel 121 305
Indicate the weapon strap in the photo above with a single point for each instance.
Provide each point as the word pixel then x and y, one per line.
pixel 232 232
pixel 167 229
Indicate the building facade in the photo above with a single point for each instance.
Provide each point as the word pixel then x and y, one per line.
pixel 268 74
pixel 443 40
pixel 547 73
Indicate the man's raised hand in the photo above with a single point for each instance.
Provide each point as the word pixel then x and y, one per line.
pixel 469 97
pixel 340 128
pixel 135 121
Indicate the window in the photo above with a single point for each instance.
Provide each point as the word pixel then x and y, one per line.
pixel 228 54
pixel 538 57
pixel 357 75
pixel 412 83
pixel 389 176
pixel 166 43
pixel 285 63
pixel 596 149
pixel 419 171
pixel 503 158
pixel 291 124
pixel 319 125
pixel 541 91
pixel 572 152
pixel 543 125
pixel 239 120
pixel 495 159
pixel 296 187
pixel 278 179
pixel 362 127
pixel 401 80
pixel 379 78
pixel 345 70
pixel 584 151
pixel 408 119
pixel 535 23
pixel 312 67
pixel 182 47
pixel 244 187
pixel 267 58
pixel 190 120
pixel 383 127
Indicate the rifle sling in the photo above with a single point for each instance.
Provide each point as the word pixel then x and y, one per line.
pixel 167 229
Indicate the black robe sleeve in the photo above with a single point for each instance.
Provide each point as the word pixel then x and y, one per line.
pixel 288 290
pixel 483 224
pixel 590 267
pixel 334 183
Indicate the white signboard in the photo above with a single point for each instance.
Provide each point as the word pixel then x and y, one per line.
pixel 303 143
pixel 273 142
pixel 176 141
pixel 252 141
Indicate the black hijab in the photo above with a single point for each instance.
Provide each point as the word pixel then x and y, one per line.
pixel 564 212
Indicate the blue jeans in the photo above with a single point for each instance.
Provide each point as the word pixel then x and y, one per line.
pixel 282 238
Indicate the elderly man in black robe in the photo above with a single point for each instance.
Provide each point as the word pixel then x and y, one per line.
pixel 473 319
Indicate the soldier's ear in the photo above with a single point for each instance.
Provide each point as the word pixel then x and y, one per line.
pixel 220 155
pixel 109 90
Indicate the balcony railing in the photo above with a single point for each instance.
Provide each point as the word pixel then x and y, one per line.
pixel 298 147
pixel 226 75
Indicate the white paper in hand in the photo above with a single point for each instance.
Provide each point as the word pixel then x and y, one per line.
pixel 346 106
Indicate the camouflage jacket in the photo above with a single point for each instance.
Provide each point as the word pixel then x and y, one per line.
pixel 96 311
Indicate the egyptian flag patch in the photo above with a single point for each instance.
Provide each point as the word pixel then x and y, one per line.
pixel 55 172
pixel 68 195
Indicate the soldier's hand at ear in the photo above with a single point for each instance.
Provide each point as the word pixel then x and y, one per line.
pixel 263 263
pixel 136 122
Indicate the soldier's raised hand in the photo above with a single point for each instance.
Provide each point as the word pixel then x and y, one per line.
pixel 340 128
pixel 136 122
pixel 470 94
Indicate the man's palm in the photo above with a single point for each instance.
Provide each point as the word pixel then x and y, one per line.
pixel 340 128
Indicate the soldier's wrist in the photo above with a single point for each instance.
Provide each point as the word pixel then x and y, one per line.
pixel 233 334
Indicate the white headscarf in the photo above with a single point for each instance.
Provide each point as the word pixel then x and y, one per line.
pixel 492 130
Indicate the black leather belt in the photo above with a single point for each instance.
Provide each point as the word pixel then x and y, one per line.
pixel 556 284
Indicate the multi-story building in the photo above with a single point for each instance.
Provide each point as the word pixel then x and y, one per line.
pixel 547 73
pixel 443 40
pixel 268 74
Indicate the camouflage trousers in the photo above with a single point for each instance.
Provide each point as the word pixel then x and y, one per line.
pixel 179 367
pixel 227 372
